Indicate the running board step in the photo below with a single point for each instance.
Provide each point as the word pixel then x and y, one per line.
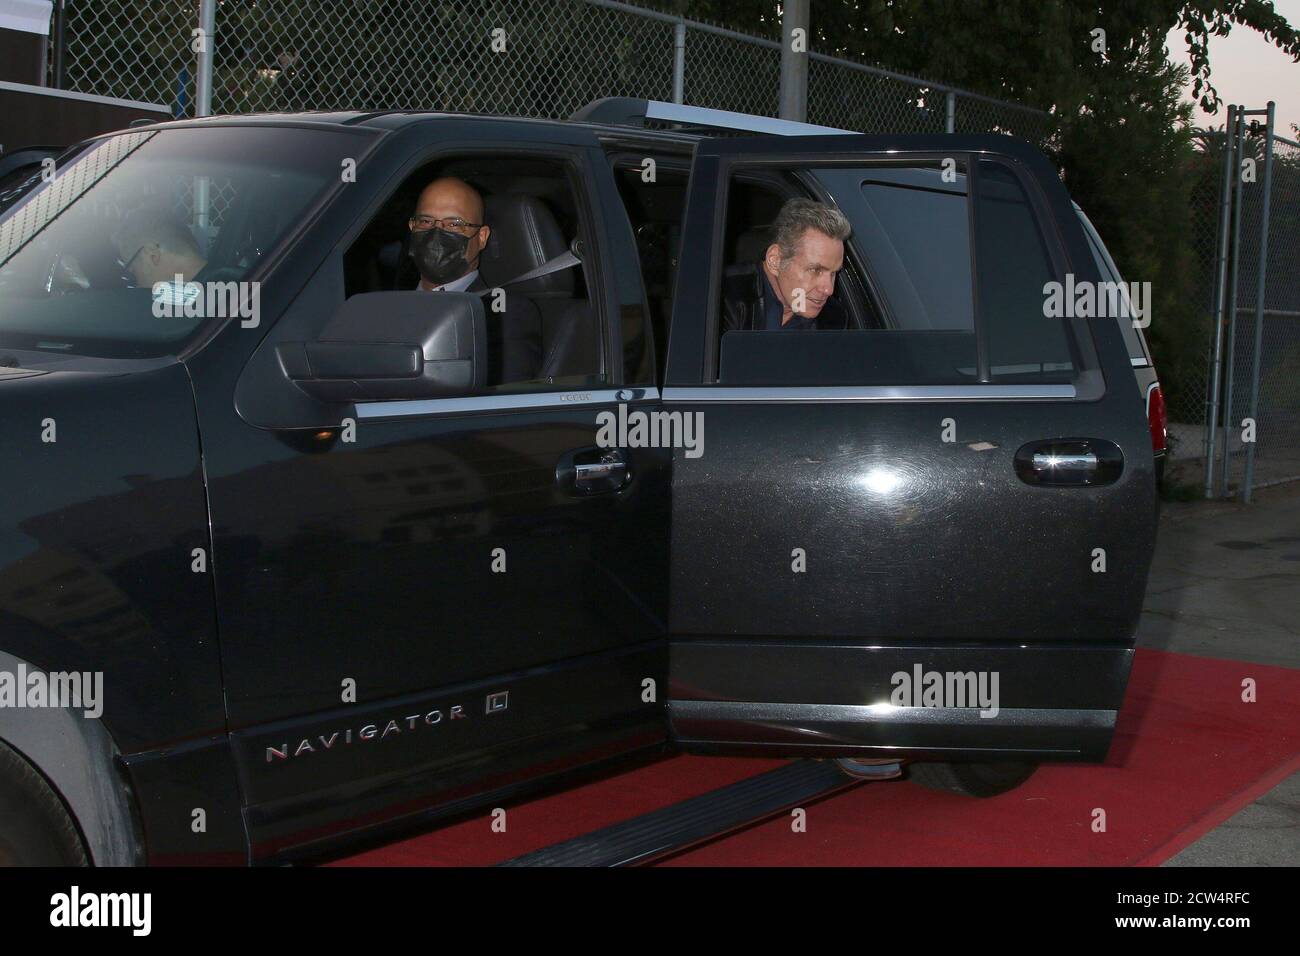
pixel 681 825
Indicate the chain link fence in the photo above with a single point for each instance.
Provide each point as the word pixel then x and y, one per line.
pixel 513 57
pixel 1261 365
pixel 1184 360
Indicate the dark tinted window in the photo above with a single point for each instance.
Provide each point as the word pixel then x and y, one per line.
pixel 1110 273
pixel 1014 266
pixel 917 239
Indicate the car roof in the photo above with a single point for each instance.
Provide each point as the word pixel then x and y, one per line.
pixel 399 119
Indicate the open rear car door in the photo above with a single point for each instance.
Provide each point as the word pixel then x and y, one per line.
pixel 926 535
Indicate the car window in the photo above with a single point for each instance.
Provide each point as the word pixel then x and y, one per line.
pixel 199 210
pixel 543 333
pixel 1014 267
pixel 1133 339
pixel 914 229
pixel 938 265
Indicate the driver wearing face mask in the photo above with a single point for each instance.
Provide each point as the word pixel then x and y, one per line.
pixel 447 237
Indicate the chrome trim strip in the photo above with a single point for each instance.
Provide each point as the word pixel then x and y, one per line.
pixel 1147 399
pixel 723 119
pixel 803 714
pixel 867 393
pixel 523 401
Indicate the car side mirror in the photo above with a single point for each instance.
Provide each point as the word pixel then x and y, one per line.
pixel 394 345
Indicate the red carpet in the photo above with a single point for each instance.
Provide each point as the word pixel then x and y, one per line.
pixel 1188 753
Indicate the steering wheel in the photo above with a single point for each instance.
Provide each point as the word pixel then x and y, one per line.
pixel 66 275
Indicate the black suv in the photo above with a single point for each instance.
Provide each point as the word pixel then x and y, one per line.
pixel 332 577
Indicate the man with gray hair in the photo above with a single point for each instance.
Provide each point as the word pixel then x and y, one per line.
pixel 791 286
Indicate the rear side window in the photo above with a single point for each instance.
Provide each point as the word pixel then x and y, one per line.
pixel 914 230
pixel 944 272
pixel 1133 339
pixel 1014 266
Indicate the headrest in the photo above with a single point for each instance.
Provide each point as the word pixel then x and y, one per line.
pixel 524 235
pixel 751 245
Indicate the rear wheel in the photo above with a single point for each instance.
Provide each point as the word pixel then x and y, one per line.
pixel 35 827
pixel 972 779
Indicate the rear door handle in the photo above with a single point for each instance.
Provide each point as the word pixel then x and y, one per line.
pixel 597 473
pixel 1045 461
pixel 1069 461
pixel 591 471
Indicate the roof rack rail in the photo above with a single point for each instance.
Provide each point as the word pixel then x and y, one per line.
pixel 632 111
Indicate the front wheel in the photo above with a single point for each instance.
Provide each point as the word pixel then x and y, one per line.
pixel 972 779
pixel 35 827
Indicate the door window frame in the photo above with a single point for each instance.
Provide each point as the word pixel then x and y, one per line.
pixel 1088 385
pixel 601 294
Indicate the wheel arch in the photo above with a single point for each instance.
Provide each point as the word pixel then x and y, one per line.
pixel 79 759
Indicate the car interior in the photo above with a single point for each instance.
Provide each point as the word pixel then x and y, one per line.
pixel 656 211
pixel 529 205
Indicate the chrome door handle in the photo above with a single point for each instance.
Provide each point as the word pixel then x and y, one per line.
pixel 586 475
pixel 1069 461
pixel 593 471
pixel 1046 461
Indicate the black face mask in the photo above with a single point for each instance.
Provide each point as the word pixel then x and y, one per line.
pixel 439 255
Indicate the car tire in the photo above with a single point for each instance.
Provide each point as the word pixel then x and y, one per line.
pixel 971 779
pixel 35 827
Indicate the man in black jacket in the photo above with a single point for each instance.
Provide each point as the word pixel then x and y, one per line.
pixel 790 288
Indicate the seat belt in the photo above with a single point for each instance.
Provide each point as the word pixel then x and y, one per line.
pixel 565 260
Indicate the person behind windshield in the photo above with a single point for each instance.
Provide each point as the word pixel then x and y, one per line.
pixel 153 246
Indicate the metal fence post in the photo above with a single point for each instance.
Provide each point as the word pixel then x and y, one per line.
pixel 679 60
pixel 1232 298
pixel 950 112
pixel 1259 303
pixel 1220 299
pixel 203 84
pixel 60 43
pixel 794 65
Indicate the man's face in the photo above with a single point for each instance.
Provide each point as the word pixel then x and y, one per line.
pixel 808 280
pixel 454 206
pixel 148 263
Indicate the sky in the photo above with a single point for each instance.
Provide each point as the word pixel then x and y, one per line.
pixel 1246 68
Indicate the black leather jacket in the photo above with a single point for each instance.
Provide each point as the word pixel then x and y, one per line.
pixel 744 301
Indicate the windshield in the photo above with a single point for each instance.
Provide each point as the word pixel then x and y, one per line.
pixel 137 240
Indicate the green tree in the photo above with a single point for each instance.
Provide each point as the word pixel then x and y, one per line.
pixel 1120 136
